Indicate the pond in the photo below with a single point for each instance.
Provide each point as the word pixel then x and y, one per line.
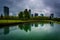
pixel 31 31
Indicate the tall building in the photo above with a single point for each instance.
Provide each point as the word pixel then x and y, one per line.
pixel 6 11
pixel 36 14
pixel 30 12
pixel 52 15
pixel 41 14
pixel 31 15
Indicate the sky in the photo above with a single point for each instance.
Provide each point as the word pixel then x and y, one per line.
pixel 45 7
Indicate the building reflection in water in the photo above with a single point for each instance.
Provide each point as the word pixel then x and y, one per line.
pixel 42 24
pixel 51 24
pixel 6 30
pixel 25 26
pixel 32 24
pixel 36 24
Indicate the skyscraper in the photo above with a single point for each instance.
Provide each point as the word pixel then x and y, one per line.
pixel 52 15
pixel 30 12
pixel 31 15
pixel 41 14
pixel 36 14
pixel 6 11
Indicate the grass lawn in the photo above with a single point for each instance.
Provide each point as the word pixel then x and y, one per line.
pixel 17 21
pixel 10 21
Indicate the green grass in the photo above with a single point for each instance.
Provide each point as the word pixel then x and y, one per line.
pixel 11 21
pixel 17 21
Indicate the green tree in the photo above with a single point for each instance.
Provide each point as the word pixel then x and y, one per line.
pixel 26 14
pixel 1 16
pixel 20 15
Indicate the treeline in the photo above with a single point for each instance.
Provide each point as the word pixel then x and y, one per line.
pixel 9 18
pixel 26 15
pixel 23 15
pixel 56 19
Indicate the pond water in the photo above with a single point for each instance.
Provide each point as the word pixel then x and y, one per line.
pixel 31 31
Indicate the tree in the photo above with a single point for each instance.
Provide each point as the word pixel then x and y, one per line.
pixel 26 14
pixel 1 16
pixel 20 15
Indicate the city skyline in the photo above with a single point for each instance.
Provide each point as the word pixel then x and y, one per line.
pixel 36 6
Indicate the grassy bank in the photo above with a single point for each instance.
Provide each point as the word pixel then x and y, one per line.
pixel 10 21
pixel 18 21
pixel 15 22
pixel 22 21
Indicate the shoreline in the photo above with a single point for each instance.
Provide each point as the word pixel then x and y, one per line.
pixel 13 22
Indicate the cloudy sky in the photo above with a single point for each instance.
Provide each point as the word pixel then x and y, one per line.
pixel 39 6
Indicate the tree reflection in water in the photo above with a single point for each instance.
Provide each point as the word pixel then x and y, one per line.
pixel 25 26
pixel 42 24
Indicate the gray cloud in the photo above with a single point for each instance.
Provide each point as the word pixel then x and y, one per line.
pixel 55 5
pixel 35 5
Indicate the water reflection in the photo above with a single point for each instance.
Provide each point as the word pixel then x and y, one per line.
pixel 32 24
pixel 6 30
pixel 51 24
pixel 25 26
pixel 42 24
pixel 32 31
pixel 36 24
